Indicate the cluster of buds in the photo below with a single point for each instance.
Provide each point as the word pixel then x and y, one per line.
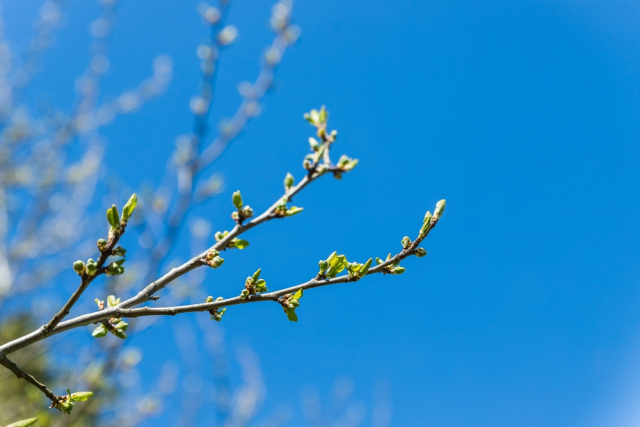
pixel 212 259
pixel 242 212
pixel 88 269
pixel 359 270
pixel 345 164
pixel 282 211
pixel 430 221
pixel 333 265
pixel 215 313
pixel 234 243
pixel 116 326
pixel 289 303
pixel 119 222
pixel 393 268
pixel 66 404
pixel 311 161
pixel 254 284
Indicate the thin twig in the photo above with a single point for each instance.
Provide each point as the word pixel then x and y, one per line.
pixel 30 378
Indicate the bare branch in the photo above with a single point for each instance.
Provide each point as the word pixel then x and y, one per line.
pixel 30 378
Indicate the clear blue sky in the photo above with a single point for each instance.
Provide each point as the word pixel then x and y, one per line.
pixel 523 114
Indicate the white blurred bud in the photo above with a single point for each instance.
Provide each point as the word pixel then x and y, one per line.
pixel 128 102
pixel 292 33
pixel 99 28
pixel 198 105
pixel 272 56
pixel 227 35
pixel 212 15
pixel 246 89
pixel 99 64
pixel 252 109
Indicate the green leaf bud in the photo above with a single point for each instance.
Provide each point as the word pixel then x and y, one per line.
pixel 244 294
pixel 398 270
pixel 113 217
pixel 102 245
pixel 209 299
pixel 288 181
pixel 420 252
pixel 261 285
pixel 426 224
pixel 119 251
pixel 129 207
pixel 256 276
pixel 78 267
pixel 120 334
pixel 439 208
pixel 122 325
pixel 211 254
pixel 365 268
pixel 219 299
pixel 406 242
pixel 237 200
pixel 99 332
pixel 216 262
pixel 91 267
pixel 66 406
pixel 247 211
pixel 379 261
pixel 293 210
pixel 313 143
pixel 112 301
pixel 323 115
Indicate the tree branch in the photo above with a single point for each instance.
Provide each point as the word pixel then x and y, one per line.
pixel 30 378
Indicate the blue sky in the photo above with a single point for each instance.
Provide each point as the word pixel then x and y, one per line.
pixel 522 114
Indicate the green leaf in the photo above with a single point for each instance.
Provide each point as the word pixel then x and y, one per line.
pixel 291 314
pixel 315 116
pixel 99 331
pixel 23 423
pixel 237 200
pixel 322 116
pixel 81 396
pixel 128 209
pixel 298 294
pixel 240 244
pixel 120 334
pixel 337 264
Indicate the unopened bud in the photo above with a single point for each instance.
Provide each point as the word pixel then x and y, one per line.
pixel 78 267
pixel 420 252
pixel 216 262
pixel 406 242
pixel 209 299
pixel 288 181
pixel 237 199
pixel 439 208
pixel 102 245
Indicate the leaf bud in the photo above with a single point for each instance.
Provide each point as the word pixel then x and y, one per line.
pixel 244 294
pixel 212 253
pixel 78 267
pixel 129 207
pixel 237 200
pixel 313 143
pixel 439 208
pixel 406 242
pixel 398 270
pixel 99 331
pixel 420 252
pixel 119 251
pixel 247 211
pixel 216 262
pixel 288 181
pixel 209 299
pixel 256 276
pixel 102 245
pixel 293 210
